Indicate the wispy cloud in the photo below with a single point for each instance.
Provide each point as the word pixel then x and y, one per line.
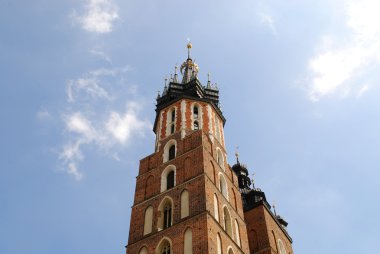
pixel 98 16
pixel 268 21
pixel 101 54
pixel 339 62
pixel 92 120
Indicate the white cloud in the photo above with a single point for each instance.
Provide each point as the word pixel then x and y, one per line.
pixel 77 123
pixel 339 63
pixel 99 16
pixel 99 124
pixel 121 127
pixel 91 84
pixel 72 170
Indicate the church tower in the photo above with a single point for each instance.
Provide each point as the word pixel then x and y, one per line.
pixel 188 200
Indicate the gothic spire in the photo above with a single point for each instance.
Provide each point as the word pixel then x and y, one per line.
pixel 189 69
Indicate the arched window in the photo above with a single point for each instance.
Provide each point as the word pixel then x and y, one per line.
pixel 168 178
pixel 237 233
pixel 223 186
pixel 195 112
pixel 148 221
pixel 230 251
pixel 143 250
pixel 165 218
pixel 188 245
pixel 196 125
pixel 218 244
pixel 216 208
pixel 172 152
pixel 164 247
pixel 281 247
pixel 184 204
pixel 253 242
pixel 234 198
pixel 220 158
pixel 227 221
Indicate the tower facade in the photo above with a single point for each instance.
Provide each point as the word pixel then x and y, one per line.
pixel 187 198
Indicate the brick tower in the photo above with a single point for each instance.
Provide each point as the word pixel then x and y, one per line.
pixel 188 200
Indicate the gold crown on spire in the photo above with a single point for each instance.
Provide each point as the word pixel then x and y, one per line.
pixel 189 45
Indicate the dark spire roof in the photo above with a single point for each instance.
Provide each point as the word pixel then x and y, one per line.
pixel 190 87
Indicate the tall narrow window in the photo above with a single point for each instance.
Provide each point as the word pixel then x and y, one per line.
pixel 227 221
pixel 218 244
pixel 172 126
pixel 237 233
pixel 148 222
pixel 281 247
pixel 195 112
pixel 173 115
pixel 184 204
pixel 167 216
pixel 220 158
pixel 196 125
pixel 170 180
pixel 217 128
pixel 230 251
pixel 216 208
pixel 223 186
pixel 188 245
pixel 172 152
pixel 168 176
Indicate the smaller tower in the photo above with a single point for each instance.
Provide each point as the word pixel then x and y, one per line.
pixel 266 230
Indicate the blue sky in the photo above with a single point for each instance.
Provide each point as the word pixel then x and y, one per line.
pixel 299 88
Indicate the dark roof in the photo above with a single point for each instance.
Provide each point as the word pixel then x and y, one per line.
pixel 192 90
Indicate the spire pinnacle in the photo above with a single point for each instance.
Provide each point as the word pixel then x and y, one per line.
pixel 189 46
pixel 236 149
pixel 175 79
pixel 274 207
pixel 189 69
pixel 253 179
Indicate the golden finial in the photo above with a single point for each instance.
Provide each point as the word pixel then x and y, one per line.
pixel 189 46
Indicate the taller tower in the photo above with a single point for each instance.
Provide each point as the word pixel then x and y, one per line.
pixel 187 198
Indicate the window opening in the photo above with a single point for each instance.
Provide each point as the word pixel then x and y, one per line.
pixel 172 152
pixel 167 217
pixel 170 180
pixel 195 112
pixel 196 125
